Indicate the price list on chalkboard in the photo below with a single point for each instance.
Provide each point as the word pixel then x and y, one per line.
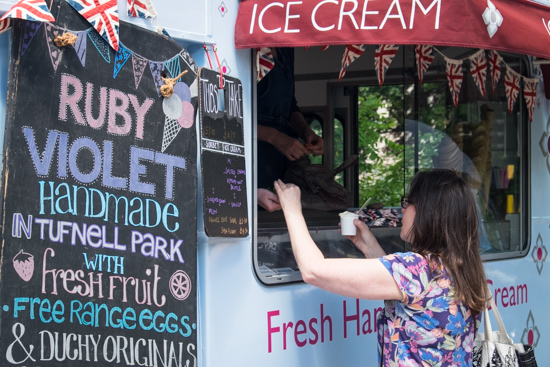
pixel 225 206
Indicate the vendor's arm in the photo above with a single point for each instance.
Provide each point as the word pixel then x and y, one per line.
pixel 291 148
pixel 356 278
pixel 314 142
pixel 268 200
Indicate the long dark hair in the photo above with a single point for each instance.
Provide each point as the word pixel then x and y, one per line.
pixel 446 228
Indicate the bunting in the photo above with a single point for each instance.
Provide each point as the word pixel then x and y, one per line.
pixel 173 65
pixel 383 56
pixel 54 51
pixel 141 9
pixel 5 24
pixel 511 82
pixel 35 10
pixel 102 15
pixel 495 60
pixel 530 95
pixel 156 70
pixel 454 77
pixel 264 62
pixel 121 56
pixel 352 53
pixel 80 47
pixel 100 44
pixel 424 58
pixel 30 31
pixel 478 68
pixel 139 64
pixel 186 57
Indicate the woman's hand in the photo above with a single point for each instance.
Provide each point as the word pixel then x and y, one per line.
pixel 268 200
pixel 289 196
pixel 365 241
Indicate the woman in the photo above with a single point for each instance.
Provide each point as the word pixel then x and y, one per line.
pixel 433 294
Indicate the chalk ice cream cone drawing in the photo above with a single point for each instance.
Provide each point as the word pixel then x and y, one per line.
pixel 179 113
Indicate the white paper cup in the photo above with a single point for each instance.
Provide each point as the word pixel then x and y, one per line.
pixel 346 223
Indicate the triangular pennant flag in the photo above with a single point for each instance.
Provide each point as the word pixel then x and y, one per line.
pixel 530 95
pixel 383 56
pixel 141 9
pixel 156 70
pixel 5 24
pixel 100 44
pixel 478 68
pixel 102 15
pixel 424 58
pixel 121 56
pixel 173 65
pixel 54 51
pixel 30 31
pixel 454 77
pixel 495 60
pixel 36 10
pixel 80 47
pixel 139 64
pixel 186 57
pixel 264 62
pixel 511 82
pixel 352 53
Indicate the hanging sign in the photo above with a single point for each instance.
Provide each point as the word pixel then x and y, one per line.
pixel 99 200
pixel 222 155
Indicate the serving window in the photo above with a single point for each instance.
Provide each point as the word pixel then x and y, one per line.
pixel 396 130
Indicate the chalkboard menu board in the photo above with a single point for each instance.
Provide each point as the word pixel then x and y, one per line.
pixel 222 155
pixel 99 200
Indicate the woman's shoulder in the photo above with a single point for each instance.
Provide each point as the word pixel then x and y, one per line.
pixel 404 260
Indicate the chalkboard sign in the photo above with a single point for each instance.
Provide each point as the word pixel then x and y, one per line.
pixel 223 155
pixel 99 212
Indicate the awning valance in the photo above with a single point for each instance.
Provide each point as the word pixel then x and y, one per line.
pixel 518 26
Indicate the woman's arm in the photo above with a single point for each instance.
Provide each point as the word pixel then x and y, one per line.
pixel 358 278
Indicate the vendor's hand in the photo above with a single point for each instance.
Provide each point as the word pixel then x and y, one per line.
pixel 268 200
pixel 365 241
pixel 315 144
pixel 291 148
pixel 289 196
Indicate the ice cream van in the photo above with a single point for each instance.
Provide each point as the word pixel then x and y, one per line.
pixel 132 233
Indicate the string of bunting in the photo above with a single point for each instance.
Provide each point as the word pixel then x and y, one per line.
pixel 479 64
pixel 59 39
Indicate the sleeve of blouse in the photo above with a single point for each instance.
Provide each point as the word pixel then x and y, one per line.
pixel 409 270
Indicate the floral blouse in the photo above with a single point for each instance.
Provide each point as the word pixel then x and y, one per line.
pixel 429 327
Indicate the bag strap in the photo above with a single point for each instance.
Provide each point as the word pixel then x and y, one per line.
pixel 504 337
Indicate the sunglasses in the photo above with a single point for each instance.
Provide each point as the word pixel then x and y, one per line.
pixel 404 202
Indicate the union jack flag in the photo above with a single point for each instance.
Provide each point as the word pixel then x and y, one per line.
pixel 102 15
pixel 455 77
pixel 35 10
pixel 495 60
pixel 511 82
pixel 352 53
pixel 424 58
pixel 383 57
pixel 5 24
pixel 264 62
pixel 478 68
pixel 141 9
pixel 530 94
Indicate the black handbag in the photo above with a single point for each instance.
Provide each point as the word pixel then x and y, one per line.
pixel 527 357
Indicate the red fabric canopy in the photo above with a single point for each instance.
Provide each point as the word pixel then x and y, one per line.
pixel 518 26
